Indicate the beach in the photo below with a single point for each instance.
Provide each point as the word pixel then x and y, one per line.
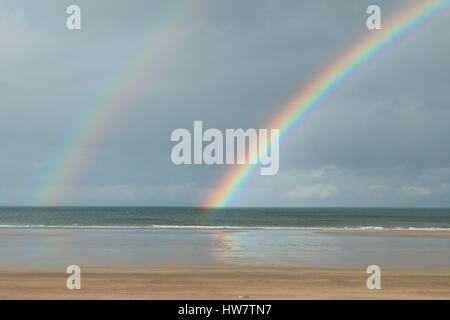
pixel 154 253
pixel 233 267
pixel 222 282
pixel 392 234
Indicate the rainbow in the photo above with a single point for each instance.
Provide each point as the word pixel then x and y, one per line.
pixel 69 162
pixel 327 83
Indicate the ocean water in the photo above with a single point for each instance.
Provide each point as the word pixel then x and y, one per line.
pixel 178 247
pixel 193 236
pixel 248 218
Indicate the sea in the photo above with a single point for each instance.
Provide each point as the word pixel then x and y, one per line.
pixel 425 219
pixel 164 236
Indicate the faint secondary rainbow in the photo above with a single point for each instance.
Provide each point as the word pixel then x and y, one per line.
pixel 70 162
pixel 327 83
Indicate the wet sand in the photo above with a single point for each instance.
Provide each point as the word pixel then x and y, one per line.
pixel 392 234
pixel 221 282
pixel 38 235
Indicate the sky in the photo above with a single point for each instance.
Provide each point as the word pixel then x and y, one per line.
pixel 382 141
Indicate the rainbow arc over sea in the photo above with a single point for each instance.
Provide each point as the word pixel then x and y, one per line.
pixel 69 162
pixel 328 82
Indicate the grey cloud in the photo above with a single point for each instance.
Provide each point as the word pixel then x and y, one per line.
pixel 381 141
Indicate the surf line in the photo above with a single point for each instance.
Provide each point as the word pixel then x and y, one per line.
pixel 327 83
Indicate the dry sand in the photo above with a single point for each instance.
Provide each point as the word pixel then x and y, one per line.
pixel 221 282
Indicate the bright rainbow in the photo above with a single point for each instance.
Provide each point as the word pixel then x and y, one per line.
pixel 70 162
pixel 328 82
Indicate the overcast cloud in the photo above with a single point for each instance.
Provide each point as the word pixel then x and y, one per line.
pixel 382 141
